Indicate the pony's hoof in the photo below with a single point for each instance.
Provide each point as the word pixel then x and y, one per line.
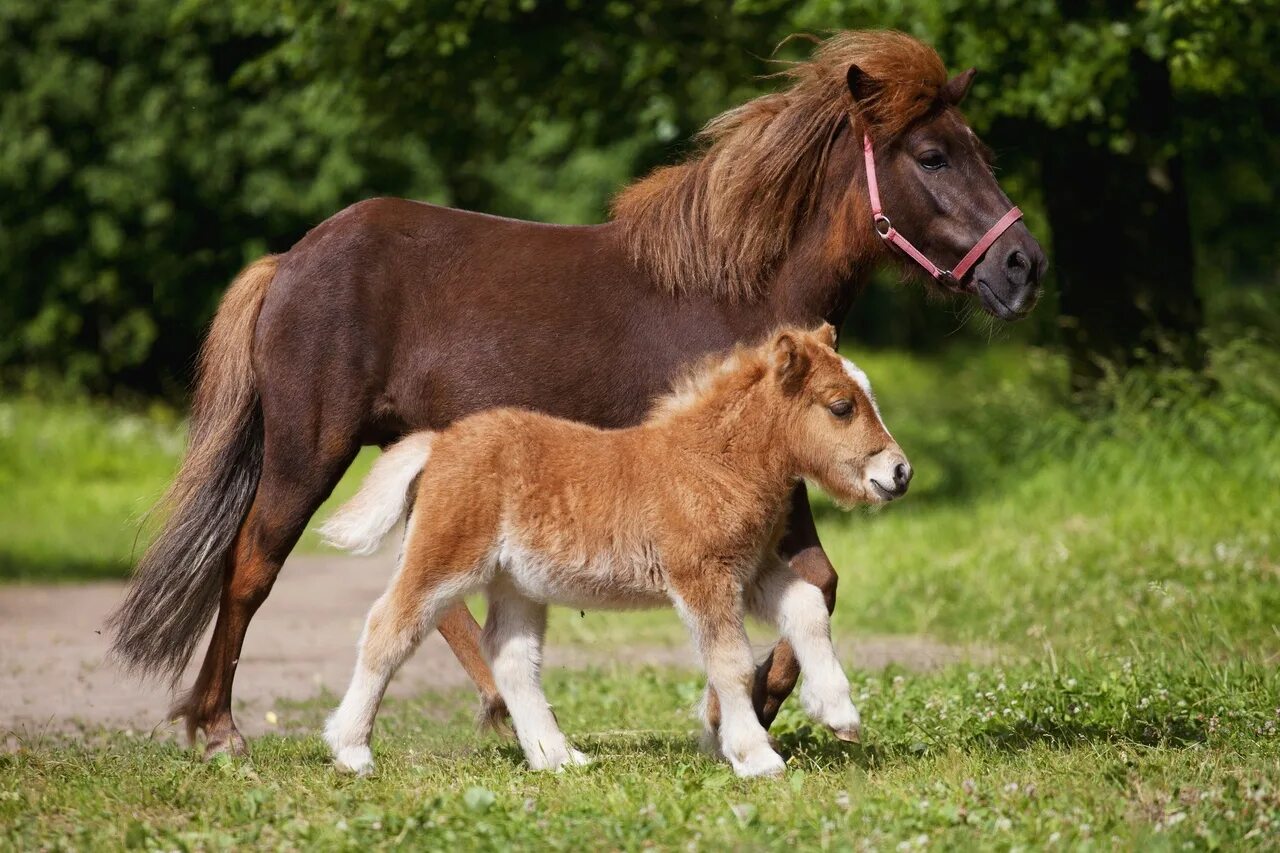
pixel 850 735
pixel 231 744
pixel 354 759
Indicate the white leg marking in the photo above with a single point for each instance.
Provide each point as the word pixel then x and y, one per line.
pixel 513 635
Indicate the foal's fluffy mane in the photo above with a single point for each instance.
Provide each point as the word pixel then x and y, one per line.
pixel 701 380
pixel 721 221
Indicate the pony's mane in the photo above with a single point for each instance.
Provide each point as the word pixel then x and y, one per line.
pixel 720 222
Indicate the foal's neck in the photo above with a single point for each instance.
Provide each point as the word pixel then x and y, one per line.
pixel 739 431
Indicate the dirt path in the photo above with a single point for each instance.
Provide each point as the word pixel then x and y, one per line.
pixel 53 677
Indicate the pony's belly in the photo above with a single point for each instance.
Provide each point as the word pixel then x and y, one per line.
pixel 602 581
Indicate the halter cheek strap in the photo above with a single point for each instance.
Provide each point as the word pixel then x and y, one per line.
pixel 884 227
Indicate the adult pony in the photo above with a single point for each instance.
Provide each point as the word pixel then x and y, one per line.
pixel 393 316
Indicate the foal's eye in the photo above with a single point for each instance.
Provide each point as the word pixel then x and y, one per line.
pixel 933 160
pixel 841 408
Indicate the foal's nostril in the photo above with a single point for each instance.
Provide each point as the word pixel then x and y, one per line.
pixel 901 476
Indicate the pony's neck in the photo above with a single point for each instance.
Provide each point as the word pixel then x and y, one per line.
pixel 835 251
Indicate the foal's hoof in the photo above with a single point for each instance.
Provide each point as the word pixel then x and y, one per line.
pixel 761 762
pixel 354 759
pixel 230 744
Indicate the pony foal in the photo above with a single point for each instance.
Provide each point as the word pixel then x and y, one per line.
pixel 686 508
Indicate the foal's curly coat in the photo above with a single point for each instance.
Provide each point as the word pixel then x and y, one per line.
pixel 685 508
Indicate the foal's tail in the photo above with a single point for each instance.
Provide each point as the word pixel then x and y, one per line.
pixel 383 499
pixel 177 584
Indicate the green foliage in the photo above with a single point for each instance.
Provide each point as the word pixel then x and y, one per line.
pixel 135 178
pixel 149 149
pixel 78 479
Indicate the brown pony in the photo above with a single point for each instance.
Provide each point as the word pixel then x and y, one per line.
pixel 394 316
pixel 685 509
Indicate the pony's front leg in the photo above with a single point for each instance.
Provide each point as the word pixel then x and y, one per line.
pixel 713 611
pixel 777 676
pixel 513 635
pixel 796 608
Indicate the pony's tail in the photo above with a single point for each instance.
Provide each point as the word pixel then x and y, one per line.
pixel 178 582
pixel 383 499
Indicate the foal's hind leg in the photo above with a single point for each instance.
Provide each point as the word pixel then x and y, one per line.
pixel 395 627
pixel 296 479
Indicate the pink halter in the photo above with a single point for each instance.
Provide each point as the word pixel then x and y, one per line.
pixel 887 232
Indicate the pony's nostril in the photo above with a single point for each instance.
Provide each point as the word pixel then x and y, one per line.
pixel 1017 261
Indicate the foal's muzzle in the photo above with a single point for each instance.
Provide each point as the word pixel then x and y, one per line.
pixel 891 476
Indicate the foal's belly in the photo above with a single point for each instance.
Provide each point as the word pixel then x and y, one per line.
pixel 615 580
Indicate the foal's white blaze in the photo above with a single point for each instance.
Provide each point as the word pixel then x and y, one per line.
pixel 855 373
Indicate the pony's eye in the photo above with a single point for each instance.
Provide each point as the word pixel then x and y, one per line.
pixel 933 160
pixel 841 408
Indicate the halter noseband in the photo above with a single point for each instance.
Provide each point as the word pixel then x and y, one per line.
pixel 952 277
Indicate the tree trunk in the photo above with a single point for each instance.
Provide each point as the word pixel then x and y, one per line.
pixel 1122 237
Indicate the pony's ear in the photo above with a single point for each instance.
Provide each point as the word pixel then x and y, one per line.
pixel 826 335
pixel 790 362
pixel 954 90
pixel 862 85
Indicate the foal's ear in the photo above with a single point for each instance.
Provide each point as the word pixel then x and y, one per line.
pixel 954 90
pixel 790 362
pixel 826 335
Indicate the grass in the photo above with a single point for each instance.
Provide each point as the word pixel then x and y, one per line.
pixel 1103 751
pixel 77 480
pixel 1122 560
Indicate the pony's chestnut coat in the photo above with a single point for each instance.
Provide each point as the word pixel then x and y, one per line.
pixel 685 509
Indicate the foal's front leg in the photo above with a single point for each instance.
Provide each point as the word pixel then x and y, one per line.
pixel 713 612
pixel 797 609
pixel 513 635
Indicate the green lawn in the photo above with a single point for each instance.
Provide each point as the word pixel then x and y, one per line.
pixel 1123 562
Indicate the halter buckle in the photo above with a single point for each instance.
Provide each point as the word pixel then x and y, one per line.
pixel 882 224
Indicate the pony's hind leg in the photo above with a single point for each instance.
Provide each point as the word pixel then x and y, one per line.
pixel 796 608
pixel 412 605
pixel 513 635
pixel 461 631
pixel 294 483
